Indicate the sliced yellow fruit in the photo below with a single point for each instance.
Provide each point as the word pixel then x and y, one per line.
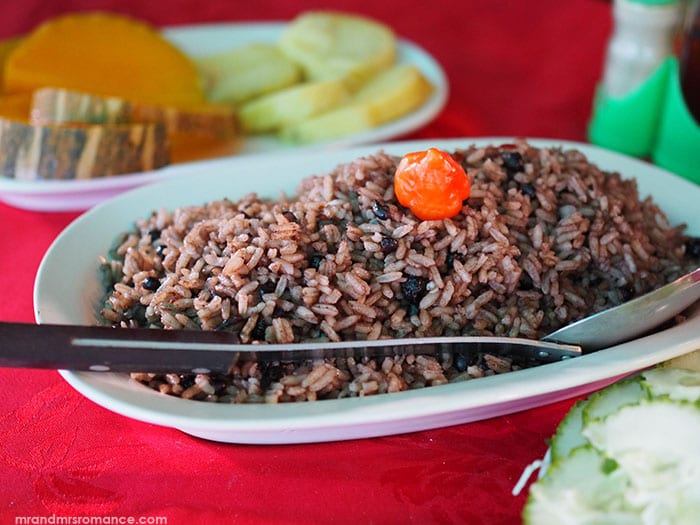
pixel 240 74
pixel 386 97
pixel 292 105
pixel 332 125
pixel 332 45
pixel 395 92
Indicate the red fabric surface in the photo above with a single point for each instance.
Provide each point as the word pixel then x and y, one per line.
pixel 515 68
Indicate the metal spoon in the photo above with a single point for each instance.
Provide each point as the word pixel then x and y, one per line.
pixel 633 318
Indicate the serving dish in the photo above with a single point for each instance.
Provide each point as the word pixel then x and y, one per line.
pixel 68 290
pixel 199 40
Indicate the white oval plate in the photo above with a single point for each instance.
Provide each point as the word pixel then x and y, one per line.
pixel 67 290
pixel 198 40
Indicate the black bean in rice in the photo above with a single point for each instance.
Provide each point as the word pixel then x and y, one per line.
pixel 545 238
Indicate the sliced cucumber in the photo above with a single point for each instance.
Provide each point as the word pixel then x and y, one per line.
pixel 604 402
pixel 636 458
pixel 650 437
pixel 657 444
pixel 568 435
pixel 583 488
pixel 676 383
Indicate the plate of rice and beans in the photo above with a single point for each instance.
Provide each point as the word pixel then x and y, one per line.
pixel 523 237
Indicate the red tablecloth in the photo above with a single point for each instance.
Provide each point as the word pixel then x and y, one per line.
pixel 515 68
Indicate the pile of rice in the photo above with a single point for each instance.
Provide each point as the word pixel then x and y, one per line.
pixel 544 239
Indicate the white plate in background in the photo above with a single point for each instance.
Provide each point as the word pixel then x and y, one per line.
pixel 68 290
pixel 197 40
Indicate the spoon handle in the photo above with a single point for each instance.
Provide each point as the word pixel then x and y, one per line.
pixel 633 318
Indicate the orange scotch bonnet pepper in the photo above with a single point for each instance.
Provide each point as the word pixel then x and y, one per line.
pixel 431 184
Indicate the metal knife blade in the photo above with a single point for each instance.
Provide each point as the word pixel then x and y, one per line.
pixel 102 349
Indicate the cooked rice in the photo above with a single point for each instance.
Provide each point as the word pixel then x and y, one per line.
pixel 544 239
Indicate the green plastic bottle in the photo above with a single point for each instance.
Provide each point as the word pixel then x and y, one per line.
pixel 638 63
pixel 677 146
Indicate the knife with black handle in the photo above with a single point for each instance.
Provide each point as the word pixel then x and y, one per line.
pixel 107 349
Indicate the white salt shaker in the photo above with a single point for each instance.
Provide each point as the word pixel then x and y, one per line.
pixel 643 37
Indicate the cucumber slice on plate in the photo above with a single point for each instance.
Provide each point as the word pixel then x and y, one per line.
pixel 676 383
pixel 651 439
pixel 656 443
pixel 568 435
pixel 600 404
pixel 604 402
pixel 627 454
pixel 583 488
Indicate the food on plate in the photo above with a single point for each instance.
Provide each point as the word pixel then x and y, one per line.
pixel 347 79
pixel 84 70
pixel 333 45
pixel 206 126
pixel 61 75
pixel 544 238
pixel 77 150
pixel 394 92
pixel 633 455
pixel 348 119
pixel 237 75
pixel 104 54
pixel 292 105
pixel 599 404
pixel 387 96
pixel 80 151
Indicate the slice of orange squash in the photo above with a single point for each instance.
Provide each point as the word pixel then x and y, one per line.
pixel 104 54
pixel 209 130
pixel 16 107
pixel 56 105
pixel 7 46
pixel 80 151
